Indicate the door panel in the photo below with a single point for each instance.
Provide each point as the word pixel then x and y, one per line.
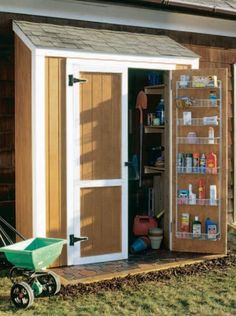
pixel 181 181
pixel 97 177
pixel 101 220
pixel 100 126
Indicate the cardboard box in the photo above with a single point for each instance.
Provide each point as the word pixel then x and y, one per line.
pixel 204 81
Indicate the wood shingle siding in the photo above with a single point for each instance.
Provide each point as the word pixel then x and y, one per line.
pixel 215 51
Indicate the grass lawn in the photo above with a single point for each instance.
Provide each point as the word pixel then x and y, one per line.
pixel 209 293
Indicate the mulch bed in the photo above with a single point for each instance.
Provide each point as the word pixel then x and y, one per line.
pixel 134 280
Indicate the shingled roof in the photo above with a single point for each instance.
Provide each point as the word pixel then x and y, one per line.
pixel 101 41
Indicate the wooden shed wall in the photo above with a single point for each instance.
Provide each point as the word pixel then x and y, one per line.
pixel 7 129
pixel 55 151
pixel 23 139
pixel 215 51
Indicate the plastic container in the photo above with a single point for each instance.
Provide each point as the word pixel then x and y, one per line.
pixel 197 228
pixel 210 135
pixel 140 244
pixel 210 229
pixel 213 195
pixel 34 253
pixel 213 98
pixel 142 225
pixel 212 163
pixel 160 112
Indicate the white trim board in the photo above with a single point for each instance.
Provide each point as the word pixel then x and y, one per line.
pixel 38 146
pixel 121 15
pixel 234 114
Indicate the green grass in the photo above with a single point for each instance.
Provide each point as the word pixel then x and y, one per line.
pixel 211 293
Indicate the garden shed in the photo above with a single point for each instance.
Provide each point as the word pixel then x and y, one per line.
pixel 76 133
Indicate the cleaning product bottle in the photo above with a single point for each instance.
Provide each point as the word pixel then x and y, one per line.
pixel 191 195
pixel 213 195
pixel 201 192
pixel 160 112
pixel 212 98
pixel 210 135
pixel 202 163
pixel 211 163
pixel 210 229
pixel 197 228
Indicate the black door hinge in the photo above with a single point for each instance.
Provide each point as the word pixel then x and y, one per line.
pixel 73 80
pixel 74 239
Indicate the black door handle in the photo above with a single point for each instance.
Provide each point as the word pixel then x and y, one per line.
pixel 74 239
pixel 129 164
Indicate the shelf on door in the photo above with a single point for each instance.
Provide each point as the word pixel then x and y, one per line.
pixel 186 235
pixel 198 140
pixel 202 202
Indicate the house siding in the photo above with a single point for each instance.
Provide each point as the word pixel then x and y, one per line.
pixel 215 51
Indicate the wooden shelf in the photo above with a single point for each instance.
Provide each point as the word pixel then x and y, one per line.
pixel 153 169
pixel 149 129
pixel 157 89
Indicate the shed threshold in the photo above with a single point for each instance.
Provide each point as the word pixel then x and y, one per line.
pixel 151 261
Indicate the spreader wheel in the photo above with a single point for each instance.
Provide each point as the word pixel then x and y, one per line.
pixel 22 295
pixel 51 282
pixel 18 275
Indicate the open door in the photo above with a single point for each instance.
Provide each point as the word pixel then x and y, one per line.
pixel 97 151
pixel 199 160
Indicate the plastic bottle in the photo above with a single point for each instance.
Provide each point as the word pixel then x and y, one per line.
pixel 201 192
pixel 213 195
pixel 160 112
pixel 212 98
pixel 202 163
pixel 211 135
pixel 210 229
pixel 211 163
pixel 197 228
pixel 191 195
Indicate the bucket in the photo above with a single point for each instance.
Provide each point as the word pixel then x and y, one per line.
pixel 156 241
pixel 140 244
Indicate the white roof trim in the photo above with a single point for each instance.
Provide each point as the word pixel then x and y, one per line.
pixel 121 15
pixel 23 37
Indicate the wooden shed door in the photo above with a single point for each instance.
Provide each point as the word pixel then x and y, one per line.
pixel 100 178
pixel 206 110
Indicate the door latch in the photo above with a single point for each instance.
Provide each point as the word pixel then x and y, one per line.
pixel 73 80
pixel 74 239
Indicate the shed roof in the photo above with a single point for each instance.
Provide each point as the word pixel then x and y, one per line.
pixel 89 40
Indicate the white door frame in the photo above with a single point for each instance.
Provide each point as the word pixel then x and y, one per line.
pixel 74 184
